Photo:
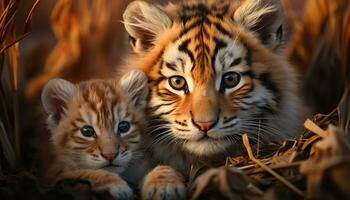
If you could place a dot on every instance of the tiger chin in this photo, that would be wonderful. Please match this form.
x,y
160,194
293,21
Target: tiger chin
x,y
95,130
215,73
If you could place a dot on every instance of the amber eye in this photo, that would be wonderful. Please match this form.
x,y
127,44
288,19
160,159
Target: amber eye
x,y
230,80
87,131
123,127
177,82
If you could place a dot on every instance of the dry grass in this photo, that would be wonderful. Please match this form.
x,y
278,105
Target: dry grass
x,y
9,53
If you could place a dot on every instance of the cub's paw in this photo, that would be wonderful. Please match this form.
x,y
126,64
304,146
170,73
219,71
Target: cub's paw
x,y
115,186
163,183
120,191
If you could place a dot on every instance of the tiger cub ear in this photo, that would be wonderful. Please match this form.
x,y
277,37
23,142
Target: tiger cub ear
x,y
135,84
55,97
264,17
144,22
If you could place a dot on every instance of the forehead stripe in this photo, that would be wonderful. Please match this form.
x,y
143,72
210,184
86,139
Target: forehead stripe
x,y
220,28
219,45
171,66
184,48
199,22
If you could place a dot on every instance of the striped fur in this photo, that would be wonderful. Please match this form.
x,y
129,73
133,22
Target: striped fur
x,y
101,104
206,40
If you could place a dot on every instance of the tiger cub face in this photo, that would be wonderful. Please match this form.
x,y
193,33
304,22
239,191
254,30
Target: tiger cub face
x,y
213,72
96,124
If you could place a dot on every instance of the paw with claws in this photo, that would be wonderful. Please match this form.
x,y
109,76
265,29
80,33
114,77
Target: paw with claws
x,y
163,183
102,181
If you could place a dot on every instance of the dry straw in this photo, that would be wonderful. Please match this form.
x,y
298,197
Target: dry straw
x,y
9,54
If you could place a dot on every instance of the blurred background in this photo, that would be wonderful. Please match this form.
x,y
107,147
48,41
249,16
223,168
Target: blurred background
x,y
82,39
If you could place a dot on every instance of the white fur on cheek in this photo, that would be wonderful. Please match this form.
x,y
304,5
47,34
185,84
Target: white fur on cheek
x,y
207,147
193,135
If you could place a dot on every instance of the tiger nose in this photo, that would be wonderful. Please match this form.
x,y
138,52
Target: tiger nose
x,y
204,126
109,156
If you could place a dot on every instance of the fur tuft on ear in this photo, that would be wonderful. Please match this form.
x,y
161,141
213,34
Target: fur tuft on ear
x,y
55,97
135,83
144,22
264,17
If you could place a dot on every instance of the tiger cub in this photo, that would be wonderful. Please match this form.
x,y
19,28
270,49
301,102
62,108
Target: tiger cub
x,y
95,129
214,74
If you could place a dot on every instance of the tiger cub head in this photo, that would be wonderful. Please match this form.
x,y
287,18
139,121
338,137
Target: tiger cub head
x,y
96,124
214,72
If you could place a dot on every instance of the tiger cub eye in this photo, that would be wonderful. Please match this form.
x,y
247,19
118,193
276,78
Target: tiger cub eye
x,y
177,82
123,127
87,131
230,80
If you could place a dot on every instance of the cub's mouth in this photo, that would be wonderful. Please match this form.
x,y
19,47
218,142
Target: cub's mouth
x,y
113,168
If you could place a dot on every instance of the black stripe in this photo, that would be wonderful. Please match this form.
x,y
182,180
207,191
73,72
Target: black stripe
x,y
157,81
154,108
266,81
229,119
165,113
229,126
223,11
236,62
158,61
192,26
166,94
171,66
251,89
184,48
190,11
219,45
133,142
249,56
161,62
182,64
248,104
182,130
180,123
249,73
222,29
265,109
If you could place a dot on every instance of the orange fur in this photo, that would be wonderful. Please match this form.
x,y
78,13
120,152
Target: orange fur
x,y
100,106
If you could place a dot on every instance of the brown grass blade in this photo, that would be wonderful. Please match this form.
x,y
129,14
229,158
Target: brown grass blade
x,y
311,126
7,17
7,148
265,167
28,24
9,50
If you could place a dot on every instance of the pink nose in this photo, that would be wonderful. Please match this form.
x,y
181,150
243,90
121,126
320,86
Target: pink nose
x,y
109,156
204,126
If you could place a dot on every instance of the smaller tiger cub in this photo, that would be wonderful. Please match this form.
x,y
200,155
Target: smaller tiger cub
x,y
95,130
